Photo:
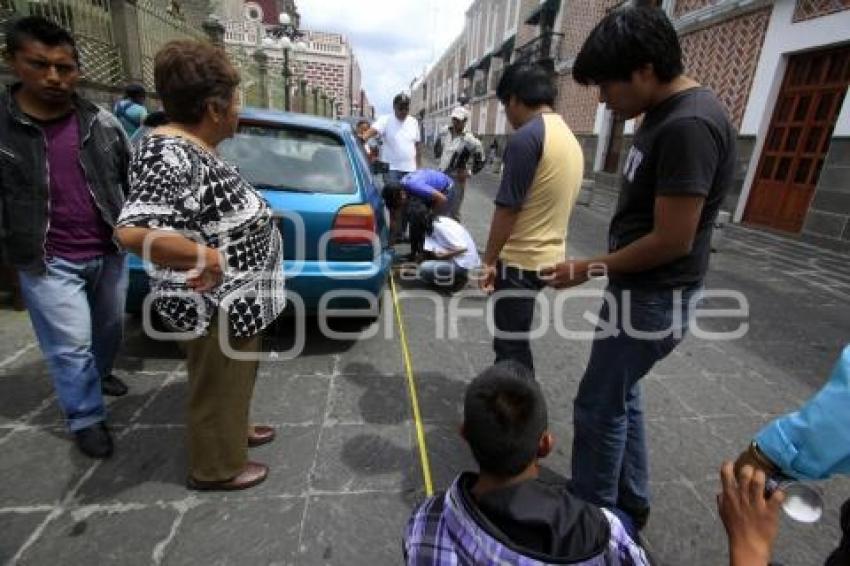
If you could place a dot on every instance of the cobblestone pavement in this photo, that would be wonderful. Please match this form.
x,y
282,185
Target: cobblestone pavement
x,y
345,467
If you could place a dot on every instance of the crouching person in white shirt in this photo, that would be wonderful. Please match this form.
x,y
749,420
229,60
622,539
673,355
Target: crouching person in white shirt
x,y
450,254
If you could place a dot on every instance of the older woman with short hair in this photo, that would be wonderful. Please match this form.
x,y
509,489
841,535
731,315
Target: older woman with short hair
x,y
217,256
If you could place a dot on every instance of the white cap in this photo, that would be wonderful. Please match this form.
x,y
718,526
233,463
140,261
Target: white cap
x,y
460,113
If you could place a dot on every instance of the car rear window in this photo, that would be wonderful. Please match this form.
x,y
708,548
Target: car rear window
x,y
290,159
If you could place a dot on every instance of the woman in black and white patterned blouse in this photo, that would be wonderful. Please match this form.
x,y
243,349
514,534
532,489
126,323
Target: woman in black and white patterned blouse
x,y
218,275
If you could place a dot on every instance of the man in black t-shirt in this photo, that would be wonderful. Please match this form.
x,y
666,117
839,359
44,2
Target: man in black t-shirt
x,y
674,180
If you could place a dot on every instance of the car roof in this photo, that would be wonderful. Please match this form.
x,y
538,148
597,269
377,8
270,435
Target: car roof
x,y
281,118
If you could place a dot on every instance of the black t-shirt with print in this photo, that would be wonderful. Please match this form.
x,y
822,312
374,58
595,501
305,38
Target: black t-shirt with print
x,y
685,146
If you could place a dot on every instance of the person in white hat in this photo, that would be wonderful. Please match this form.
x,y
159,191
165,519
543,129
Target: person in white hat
x,y
462,154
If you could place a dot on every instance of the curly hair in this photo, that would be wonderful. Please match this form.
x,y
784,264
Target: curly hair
x,y
190,75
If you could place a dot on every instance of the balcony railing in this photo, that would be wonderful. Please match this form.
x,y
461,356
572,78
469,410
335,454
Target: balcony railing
x,y
547,47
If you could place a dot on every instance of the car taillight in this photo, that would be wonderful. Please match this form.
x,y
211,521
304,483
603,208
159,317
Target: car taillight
x,y
354,224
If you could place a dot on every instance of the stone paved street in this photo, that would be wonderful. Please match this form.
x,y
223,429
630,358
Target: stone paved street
x,y
346,469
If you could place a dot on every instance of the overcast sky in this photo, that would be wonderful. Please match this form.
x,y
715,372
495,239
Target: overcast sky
x,y
394,40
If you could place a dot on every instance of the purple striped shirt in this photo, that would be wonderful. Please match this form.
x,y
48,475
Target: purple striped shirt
x,y
441,533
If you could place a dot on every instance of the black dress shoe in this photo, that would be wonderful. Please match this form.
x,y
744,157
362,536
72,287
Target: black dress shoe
x,y
95,441
112,386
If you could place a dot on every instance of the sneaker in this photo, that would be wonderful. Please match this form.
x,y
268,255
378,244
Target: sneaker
x,y
95,441
112,386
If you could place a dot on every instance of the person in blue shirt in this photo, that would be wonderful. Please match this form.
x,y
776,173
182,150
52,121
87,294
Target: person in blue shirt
x,y
130,110
433,187
152,121
429,192
812,443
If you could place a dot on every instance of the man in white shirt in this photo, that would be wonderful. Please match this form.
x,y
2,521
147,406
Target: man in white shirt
x,y
453,252
400,150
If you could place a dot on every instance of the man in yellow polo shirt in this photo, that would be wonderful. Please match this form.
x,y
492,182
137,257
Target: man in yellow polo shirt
x,y
543,170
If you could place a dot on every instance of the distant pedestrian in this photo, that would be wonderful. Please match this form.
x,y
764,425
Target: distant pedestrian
x,y
400,149
368,146
152,121
676,175
493,151
542,178
217,257
63,178
461,156
130,110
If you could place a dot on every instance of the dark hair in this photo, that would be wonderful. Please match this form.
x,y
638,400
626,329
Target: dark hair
x,y
401,99
156,119
392,191
134,90
36,28
189,75
533,85
420,217
504,417
626,40
362,121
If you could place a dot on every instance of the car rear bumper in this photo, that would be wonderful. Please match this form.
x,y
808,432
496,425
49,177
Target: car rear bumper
x,y
342,284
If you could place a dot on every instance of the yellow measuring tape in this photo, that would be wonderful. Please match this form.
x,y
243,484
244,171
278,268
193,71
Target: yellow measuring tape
x,y
414,400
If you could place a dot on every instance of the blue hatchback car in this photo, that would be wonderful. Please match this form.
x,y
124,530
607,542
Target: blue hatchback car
x,y
314,174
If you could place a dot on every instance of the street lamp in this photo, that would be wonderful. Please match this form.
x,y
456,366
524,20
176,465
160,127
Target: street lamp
x,y
285,36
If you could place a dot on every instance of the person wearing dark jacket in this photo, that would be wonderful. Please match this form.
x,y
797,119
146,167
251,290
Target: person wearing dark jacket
x,y
511,512
63,176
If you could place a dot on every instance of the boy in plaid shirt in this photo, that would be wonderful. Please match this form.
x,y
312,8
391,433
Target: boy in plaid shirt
x,y
509,513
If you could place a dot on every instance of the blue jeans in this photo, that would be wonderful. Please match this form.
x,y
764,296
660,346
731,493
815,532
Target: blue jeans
x,y
609,460
443,274
514,313
77,313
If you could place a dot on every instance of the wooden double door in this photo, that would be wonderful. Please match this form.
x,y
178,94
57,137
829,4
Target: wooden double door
x,y
798,139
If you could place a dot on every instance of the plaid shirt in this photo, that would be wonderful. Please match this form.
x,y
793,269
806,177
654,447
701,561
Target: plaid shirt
x,y
441,532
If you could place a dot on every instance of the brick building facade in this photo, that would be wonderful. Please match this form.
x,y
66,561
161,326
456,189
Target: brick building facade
x,y
434,95
327,62
469,70
781,68
330,63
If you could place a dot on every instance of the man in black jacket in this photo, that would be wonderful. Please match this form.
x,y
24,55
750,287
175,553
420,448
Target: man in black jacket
x,y
63,176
